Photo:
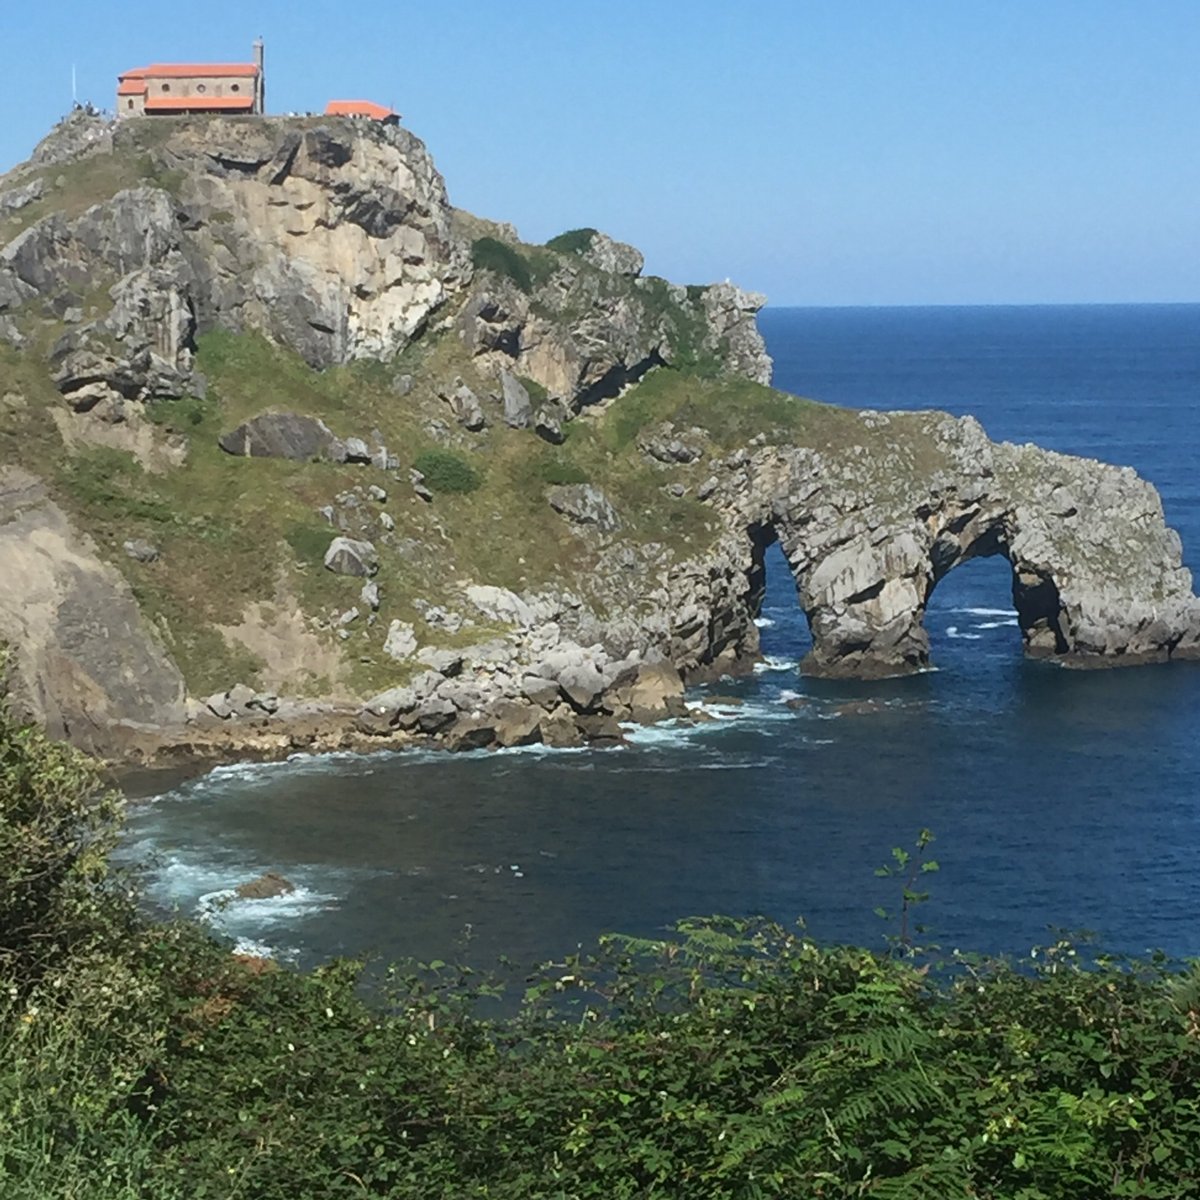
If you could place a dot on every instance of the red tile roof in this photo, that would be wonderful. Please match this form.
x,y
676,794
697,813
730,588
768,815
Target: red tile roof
x,y
184,70
169,103
359,108
131,86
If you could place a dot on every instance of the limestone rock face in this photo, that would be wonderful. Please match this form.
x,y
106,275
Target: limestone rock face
x,y
83,656
335,238
593,327
331,237
616,258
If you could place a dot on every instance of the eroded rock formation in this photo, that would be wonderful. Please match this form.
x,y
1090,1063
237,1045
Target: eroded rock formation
x,y
871,527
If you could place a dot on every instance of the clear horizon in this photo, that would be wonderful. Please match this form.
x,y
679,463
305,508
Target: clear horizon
x,y
828,155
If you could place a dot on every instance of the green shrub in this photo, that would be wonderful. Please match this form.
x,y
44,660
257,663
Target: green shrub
x,y
58,824
574,241
490,254
447,471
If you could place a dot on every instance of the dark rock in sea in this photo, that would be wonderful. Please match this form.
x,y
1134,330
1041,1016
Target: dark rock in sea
x,y
266,886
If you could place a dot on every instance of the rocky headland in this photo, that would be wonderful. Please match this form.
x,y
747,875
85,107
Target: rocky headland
x,y
294,454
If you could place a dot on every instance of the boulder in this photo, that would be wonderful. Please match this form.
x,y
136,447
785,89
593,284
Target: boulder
x,y
240,697
558,728
602,728
283,435
516,724
266,886
465,406
444,662
355,450
401,641
435,714
470,733
346,556
141,551
518,408
582,685
584,504
538,690
655,693
548,426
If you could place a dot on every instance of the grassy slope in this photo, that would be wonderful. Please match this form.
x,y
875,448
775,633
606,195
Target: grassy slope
x,y
233,531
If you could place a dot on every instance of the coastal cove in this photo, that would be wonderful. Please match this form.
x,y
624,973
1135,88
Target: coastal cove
x,y
1058,797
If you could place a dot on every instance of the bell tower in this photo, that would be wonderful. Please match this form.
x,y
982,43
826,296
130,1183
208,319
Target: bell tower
x,y
260,82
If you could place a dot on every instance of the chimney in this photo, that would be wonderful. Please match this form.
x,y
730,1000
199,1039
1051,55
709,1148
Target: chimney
x,y
260,83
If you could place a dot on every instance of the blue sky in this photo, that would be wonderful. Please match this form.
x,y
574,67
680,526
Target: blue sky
x,y
821,151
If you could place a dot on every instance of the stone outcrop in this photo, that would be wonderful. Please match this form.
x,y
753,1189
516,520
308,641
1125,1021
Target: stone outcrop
x,y
83,657
584,504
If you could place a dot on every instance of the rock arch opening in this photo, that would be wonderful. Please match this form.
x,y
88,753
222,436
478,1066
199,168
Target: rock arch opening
x,y
782,631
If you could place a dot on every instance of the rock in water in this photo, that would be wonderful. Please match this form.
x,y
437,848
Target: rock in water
x,y
265,887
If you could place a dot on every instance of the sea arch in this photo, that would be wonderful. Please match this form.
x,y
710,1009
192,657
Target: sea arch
x,y
1097,576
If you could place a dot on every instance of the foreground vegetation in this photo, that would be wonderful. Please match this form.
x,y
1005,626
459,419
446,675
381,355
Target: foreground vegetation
x,y
731,1059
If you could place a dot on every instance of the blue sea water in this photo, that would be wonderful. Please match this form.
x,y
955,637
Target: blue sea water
x,y
1059,799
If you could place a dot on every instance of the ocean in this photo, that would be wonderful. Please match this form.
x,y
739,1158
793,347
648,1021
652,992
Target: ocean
x,y
1059,800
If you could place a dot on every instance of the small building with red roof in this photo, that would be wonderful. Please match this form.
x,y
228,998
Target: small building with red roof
x,y
364,109
175,89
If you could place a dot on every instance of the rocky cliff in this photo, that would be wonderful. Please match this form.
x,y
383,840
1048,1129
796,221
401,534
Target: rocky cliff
x,y
302,441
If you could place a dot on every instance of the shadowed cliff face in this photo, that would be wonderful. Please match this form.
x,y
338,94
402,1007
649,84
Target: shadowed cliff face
x,y
606,468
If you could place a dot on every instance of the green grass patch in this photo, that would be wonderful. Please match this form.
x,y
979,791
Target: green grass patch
x,y
308,540
114,482
559,471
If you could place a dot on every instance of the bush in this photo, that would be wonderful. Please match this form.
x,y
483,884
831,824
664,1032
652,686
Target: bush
x,y
490,254
446,471
58,824
574,241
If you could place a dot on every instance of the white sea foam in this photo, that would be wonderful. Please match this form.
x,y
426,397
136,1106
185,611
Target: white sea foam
x,y
764,622
1012,621
985,612
226,910
775,662
952,632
